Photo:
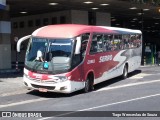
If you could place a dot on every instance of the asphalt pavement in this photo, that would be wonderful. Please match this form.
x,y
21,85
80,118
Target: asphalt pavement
x,y
12,82
137,95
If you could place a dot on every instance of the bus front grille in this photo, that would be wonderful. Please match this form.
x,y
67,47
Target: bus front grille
x,y
46,87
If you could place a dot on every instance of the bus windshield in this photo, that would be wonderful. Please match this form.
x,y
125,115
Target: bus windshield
x,y
49,55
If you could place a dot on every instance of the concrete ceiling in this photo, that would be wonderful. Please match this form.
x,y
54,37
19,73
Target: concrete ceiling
x,y
118,8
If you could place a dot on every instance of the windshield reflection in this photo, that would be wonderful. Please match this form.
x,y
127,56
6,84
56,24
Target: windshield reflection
x,y
51,55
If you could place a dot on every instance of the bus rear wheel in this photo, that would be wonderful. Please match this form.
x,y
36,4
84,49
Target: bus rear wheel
x,y
88,85
125,72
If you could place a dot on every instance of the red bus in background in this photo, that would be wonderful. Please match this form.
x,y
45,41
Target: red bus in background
x,y
70,57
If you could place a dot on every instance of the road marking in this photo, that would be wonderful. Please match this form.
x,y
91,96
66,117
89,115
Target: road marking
x,y
105,105
127,85
125,101
23,102
139,76
136,77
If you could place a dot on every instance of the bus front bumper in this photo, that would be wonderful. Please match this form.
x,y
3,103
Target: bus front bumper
x,y
67,86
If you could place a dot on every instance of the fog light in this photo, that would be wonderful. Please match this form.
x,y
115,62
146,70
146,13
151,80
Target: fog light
x,y
63,88
25,83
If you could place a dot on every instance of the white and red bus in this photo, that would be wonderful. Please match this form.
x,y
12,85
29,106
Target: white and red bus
x,y
76,57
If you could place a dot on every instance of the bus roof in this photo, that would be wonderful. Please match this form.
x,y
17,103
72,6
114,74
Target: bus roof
x,y
122,30
72,30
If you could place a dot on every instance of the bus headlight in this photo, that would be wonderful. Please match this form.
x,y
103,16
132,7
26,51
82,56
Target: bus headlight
x,y
62,78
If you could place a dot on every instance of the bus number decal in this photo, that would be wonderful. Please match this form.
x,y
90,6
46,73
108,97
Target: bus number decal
x,y
91,61
105,58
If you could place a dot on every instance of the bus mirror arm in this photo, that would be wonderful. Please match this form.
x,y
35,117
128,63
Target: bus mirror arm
x,y
78,46
21,40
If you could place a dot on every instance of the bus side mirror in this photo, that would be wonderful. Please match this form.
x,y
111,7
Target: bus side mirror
x,y
78,46
20,41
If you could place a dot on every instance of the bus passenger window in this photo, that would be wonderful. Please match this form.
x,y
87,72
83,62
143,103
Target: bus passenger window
x,y
138,39
107,42
126,41
99,43
85,39
132,41
93,47
117,42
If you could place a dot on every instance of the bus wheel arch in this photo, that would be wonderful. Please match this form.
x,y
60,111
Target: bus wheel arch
x,y
125,71
89,82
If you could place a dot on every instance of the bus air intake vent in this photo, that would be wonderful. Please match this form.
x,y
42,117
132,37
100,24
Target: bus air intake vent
x,y
46,87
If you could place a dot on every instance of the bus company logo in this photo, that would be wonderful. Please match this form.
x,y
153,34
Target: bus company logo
x,y
105,58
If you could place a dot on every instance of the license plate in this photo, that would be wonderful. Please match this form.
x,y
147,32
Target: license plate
x,y
42,90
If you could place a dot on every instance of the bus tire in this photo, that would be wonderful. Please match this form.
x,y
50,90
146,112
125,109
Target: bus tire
x,y
88,84
125,72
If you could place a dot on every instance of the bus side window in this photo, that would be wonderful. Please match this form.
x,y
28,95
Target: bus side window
x,y
107,42
138,39
133,42
93,48
118,42
99,43
78,58
126,41
85,39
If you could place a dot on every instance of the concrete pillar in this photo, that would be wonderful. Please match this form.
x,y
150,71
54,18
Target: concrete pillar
x,y
103,19
79,17
5,46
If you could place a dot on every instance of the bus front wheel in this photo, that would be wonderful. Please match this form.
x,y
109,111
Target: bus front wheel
x,y
125,72
88,85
